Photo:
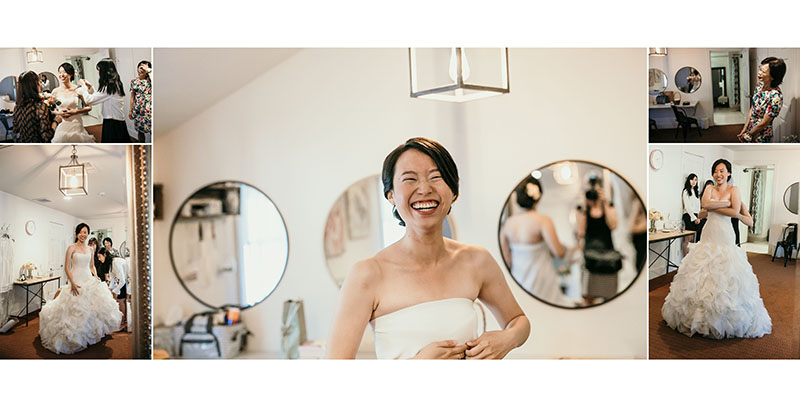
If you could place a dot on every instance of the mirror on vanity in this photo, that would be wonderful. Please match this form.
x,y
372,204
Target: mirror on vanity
x,y
656,81
688,79
791,197
573,234
229,245
360,224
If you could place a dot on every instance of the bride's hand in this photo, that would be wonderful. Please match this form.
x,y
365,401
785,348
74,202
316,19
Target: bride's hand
x,y
73,288
490,345
442,350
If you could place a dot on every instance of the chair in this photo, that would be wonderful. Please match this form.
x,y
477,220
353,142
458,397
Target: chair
x,y
685,122
9,130
788,243
653,124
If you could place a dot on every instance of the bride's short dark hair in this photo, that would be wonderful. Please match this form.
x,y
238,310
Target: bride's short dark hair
x,y
79,227
69,69
440,156
727,165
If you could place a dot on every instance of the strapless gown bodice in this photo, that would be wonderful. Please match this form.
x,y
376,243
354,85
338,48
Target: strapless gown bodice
x,y
402,333
70,323
71,129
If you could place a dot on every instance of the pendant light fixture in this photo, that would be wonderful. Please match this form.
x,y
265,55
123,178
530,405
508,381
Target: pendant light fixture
x,y
661,52
73,178
448,74
34,55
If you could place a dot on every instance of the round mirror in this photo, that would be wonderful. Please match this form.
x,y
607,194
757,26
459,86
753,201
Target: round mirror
x,y
8,89
791,197
573,234
49,81
656,81
229,245
360,224
688,79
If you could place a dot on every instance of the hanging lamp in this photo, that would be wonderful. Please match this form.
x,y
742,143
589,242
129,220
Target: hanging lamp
x,y
448,74
73,178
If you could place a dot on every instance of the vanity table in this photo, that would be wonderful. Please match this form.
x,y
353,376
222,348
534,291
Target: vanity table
x,y
669,237
665,118
27,284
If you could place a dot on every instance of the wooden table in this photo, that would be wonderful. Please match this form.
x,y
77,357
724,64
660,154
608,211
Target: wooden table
x,y
41,281
669,237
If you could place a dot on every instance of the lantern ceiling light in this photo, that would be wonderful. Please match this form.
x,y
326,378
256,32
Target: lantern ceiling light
x,y
73,178
448,74
662,52
34,55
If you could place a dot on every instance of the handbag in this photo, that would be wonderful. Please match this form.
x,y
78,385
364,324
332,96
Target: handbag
x,y
603,261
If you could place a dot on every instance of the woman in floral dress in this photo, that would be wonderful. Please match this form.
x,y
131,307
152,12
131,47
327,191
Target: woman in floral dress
x,y
767,102
142,100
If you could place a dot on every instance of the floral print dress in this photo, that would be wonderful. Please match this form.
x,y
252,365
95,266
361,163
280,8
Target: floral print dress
x,y
142,90
765,103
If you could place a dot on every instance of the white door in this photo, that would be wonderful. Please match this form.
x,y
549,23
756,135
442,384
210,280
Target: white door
x,y
57,249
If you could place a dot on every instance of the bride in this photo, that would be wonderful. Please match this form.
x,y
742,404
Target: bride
x,y
419,293
715,292
87,312
71,128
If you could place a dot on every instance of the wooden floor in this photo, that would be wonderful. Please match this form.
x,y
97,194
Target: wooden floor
x,y
23,342
780,290
714,134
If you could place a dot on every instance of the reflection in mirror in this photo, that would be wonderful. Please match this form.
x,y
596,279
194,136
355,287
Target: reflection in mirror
x,y
360,224
49,81
573,234
657,81
8,89
791,197
229,245
688,79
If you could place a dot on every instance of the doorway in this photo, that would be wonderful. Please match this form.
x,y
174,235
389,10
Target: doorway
x,y
730,86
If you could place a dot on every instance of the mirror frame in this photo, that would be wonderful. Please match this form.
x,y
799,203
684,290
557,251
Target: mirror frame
x,y
508,269
783,198
140,164
172,257
665,86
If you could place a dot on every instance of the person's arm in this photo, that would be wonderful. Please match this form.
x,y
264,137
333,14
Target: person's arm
x,y
687,201
580,227
356,303
758,128
497,296
708,204
550,236
505,247
746,122
744,216
130,106
73,288
117,280
91,265
736,202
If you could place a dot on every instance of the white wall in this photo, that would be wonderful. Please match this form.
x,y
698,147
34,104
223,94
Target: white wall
x,y
17,211
308,128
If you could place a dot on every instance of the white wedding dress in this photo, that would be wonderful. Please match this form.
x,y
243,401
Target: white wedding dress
x,y
70,323
715,292
532,267
403,333
71,129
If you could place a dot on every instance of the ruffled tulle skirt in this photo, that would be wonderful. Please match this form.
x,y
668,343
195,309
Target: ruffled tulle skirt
x,y
70,323
715,293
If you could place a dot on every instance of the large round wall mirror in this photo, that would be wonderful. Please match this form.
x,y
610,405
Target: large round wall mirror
x,y
791,197
360,224
688,79
656,81
8,89
573,234
49,81
229,245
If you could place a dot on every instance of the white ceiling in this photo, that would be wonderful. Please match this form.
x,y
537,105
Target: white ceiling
x,y
188,81
31,172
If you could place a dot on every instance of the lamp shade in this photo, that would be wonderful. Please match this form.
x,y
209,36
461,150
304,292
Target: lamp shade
x,y
73,178
458,74
34,55
657,51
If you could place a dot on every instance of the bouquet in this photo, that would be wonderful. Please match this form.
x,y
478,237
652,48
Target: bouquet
x,y
50,101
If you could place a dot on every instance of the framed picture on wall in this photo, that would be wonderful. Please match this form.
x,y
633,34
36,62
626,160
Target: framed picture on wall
x,y
334,230
358,210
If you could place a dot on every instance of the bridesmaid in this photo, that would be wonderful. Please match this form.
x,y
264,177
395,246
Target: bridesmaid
x,y
33,121
142,101
110,94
